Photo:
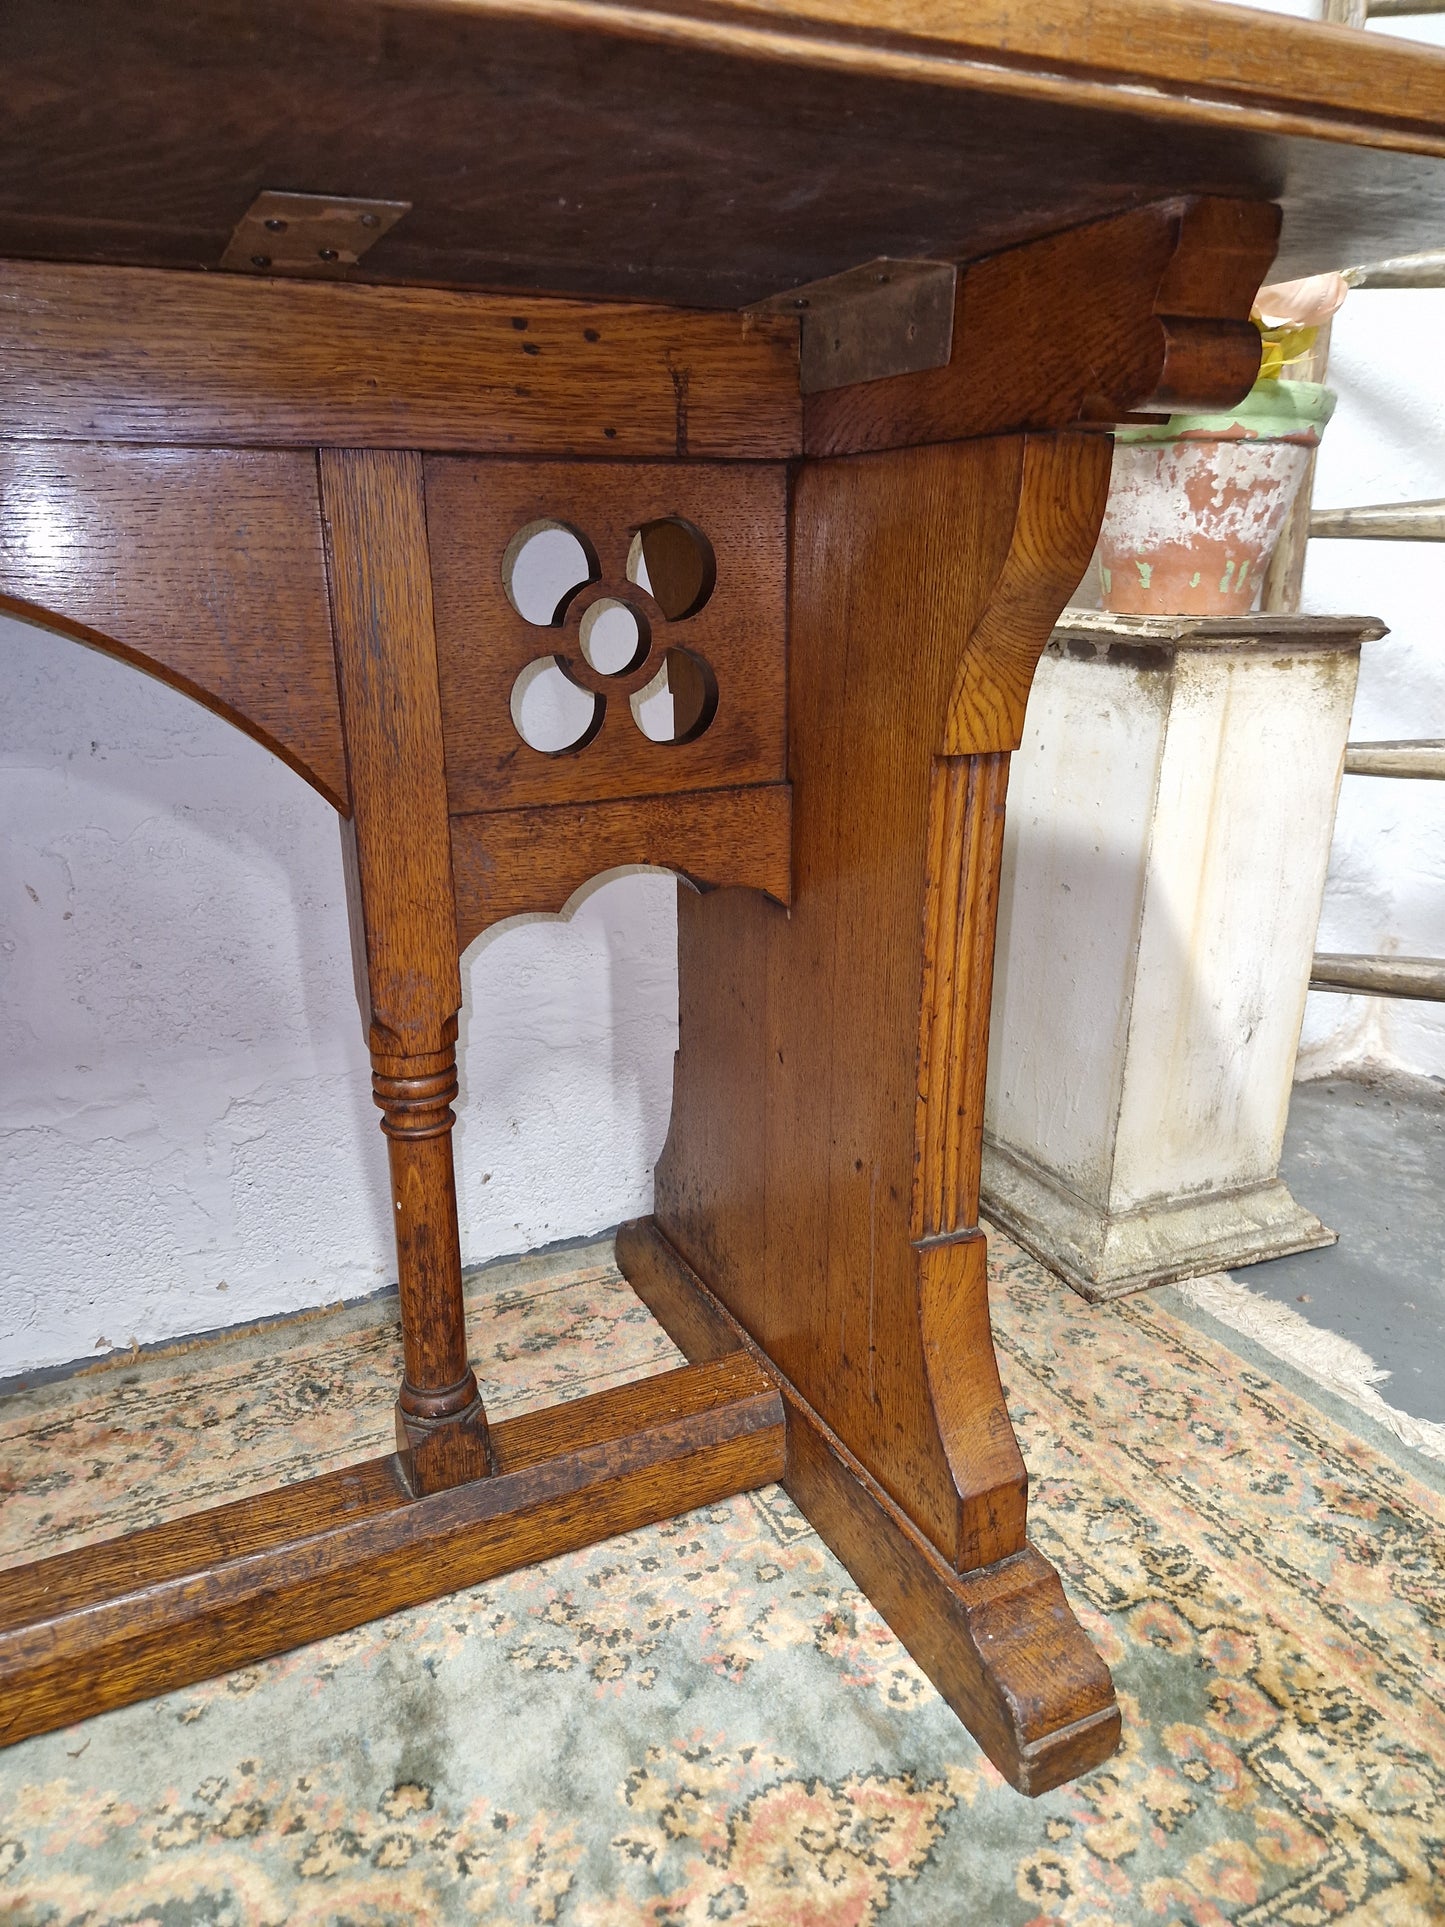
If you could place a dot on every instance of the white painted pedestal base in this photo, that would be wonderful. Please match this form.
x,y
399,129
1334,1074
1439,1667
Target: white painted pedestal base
x,y
1169,823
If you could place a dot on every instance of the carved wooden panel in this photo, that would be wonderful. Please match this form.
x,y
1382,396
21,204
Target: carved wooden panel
x,y
711,540
827,1100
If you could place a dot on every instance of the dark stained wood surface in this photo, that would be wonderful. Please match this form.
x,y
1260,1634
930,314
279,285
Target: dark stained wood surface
x,y
474,508
707,155
1000,1643
827,1098
120,355
510,861
188,563
116,1622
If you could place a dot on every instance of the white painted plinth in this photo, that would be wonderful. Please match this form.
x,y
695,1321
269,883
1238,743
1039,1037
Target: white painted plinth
x,y
1169,822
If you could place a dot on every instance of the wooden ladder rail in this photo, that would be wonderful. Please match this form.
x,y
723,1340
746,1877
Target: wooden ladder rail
x,y
1421,978
1353,975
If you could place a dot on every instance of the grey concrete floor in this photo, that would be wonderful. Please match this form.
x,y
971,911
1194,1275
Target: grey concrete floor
x,y
1368,1156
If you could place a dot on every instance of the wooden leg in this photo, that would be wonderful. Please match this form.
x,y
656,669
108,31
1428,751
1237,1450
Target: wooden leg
x,y
440,1421
821,1176
404,928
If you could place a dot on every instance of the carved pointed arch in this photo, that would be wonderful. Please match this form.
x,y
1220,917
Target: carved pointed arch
x,y
189,564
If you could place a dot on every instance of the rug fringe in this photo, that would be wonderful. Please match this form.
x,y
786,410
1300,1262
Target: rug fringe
x,y
1339,1364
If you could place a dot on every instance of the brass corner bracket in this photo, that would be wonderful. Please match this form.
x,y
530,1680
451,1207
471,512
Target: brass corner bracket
x,y
320,236
887,317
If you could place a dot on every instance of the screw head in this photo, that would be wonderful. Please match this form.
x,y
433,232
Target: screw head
x,y
371,220
328,254
260,260
275,224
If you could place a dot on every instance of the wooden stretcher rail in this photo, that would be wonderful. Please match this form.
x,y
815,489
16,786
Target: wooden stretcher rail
x,y
109,1624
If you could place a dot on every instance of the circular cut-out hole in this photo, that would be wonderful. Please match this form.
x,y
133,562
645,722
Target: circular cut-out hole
x,y
679,702
612,638
550,712
674,562
544,566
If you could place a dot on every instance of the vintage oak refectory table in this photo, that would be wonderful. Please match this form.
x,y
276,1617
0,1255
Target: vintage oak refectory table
x,y
809,319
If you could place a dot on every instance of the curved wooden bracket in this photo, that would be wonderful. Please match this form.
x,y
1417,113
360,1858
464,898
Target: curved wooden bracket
x,y
1063,486
1146,309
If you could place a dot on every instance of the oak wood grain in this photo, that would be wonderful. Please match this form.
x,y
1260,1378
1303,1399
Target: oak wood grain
x,y
1158,315
827,1099
374,512
188,563
510,861
1060,503
999,1642
709,154
404,927
127,355
475,508
113,1623
960,915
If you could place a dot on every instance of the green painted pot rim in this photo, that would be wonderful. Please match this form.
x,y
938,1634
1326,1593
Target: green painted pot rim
x,y
1272,411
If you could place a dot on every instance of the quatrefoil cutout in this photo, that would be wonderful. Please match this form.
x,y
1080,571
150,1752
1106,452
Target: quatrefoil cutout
x,y
554,581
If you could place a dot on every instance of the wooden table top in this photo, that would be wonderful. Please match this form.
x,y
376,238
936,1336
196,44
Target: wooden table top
x,y
701,152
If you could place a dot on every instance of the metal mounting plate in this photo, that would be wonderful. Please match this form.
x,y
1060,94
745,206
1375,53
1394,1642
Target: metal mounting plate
x,y
888,317
321,236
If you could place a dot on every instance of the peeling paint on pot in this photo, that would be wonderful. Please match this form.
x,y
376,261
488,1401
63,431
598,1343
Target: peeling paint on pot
x,y
1196,504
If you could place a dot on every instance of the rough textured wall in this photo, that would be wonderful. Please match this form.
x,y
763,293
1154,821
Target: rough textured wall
x,y
186,1132
1386,889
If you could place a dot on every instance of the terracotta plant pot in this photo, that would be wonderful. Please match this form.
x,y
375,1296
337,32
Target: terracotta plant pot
x,y
1196,505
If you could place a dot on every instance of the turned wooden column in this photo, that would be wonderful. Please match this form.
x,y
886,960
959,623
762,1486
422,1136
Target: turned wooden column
x,y
403,918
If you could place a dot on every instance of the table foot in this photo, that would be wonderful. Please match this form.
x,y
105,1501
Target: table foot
x,y
1000,1643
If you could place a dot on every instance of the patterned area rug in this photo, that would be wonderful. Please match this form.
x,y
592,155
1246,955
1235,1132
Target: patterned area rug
x,y
705,1722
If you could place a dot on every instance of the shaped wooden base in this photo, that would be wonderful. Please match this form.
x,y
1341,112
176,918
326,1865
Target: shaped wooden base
x,y
1001,1644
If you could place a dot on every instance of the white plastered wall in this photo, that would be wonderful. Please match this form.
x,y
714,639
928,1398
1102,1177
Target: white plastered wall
x,y
186,1131
1386,888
